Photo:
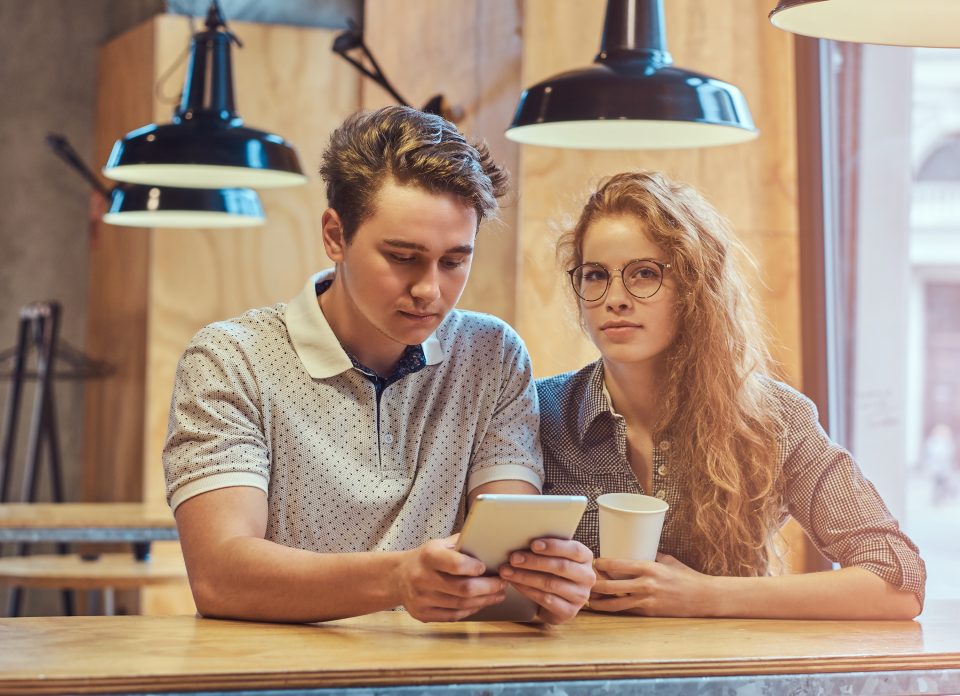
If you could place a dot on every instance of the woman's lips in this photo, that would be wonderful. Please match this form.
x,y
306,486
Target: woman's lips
x,y
619,326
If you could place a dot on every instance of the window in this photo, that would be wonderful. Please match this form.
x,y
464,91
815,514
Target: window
x,y
880,137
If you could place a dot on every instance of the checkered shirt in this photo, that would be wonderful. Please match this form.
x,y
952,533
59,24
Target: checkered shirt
x,y
585,453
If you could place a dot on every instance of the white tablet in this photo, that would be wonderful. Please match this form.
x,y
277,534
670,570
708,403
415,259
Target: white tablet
x,y
499,524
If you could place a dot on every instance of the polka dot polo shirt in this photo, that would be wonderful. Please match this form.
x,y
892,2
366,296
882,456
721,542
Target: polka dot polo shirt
x,y
271,400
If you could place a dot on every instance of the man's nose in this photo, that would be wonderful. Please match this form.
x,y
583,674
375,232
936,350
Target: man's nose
x,y
427,285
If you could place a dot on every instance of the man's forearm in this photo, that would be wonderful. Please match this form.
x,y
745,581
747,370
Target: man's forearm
x,y
256,579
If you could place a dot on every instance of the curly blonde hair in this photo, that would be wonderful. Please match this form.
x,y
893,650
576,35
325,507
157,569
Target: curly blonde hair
x,y
713,406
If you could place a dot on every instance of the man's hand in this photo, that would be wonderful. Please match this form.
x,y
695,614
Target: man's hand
x,y
665,587
556,574
438,583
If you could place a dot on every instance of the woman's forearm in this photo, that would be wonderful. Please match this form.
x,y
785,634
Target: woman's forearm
x,y
849,593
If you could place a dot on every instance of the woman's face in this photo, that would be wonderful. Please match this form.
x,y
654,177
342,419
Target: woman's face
x,y
626,329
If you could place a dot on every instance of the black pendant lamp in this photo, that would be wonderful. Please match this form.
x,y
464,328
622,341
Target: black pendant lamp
x,y
206,145
137,205
632,97
930,23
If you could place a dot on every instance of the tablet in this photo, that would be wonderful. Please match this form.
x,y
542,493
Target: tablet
x,y
498,524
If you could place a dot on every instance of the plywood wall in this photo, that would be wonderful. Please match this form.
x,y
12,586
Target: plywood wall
x,y
469,51
151,290
753,184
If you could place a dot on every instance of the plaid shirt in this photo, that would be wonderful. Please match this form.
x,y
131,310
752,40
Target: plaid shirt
x,y
585,453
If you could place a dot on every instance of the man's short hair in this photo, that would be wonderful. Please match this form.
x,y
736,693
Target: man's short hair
x,y
412,148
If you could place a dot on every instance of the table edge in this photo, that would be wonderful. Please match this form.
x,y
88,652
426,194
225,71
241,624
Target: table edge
x,y
727,667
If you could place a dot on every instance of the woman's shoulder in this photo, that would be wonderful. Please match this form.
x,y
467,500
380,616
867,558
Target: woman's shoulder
x,y
568,386
792,407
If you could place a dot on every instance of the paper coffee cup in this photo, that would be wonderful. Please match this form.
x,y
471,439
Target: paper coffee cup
x,y
630,525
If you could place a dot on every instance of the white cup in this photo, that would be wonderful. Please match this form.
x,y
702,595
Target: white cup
x,y
630,525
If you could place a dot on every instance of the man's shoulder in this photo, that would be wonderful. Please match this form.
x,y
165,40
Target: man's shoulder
x,y
462,327
255,326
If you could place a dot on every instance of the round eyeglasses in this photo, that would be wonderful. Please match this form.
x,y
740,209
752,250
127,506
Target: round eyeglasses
x,y
641,277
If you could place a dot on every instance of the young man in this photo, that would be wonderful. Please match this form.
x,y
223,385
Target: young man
x,y
319,452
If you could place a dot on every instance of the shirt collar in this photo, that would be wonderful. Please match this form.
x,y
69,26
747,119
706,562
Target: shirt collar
x,y
317,346
594,401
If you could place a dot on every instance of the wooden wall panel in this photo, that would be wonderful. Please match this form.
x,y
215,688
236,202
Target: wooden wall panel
x,y
119,271
468,50
753,184
153,289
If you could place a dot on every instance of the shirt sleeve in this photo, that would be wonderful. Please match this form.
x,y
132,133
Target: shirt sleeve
x,y
510,447
215,436
839,509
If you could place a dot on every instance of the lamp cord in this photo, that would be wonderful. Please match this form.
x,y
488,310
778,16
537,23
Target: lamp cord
x,y
158,91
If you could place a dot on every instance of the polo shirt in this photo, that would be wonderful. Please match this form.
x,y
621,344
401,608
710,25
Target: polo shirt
x,y
270,399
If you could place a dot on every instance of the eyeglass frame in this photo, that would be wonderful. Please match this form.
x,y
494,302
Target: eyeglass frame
x,y
610,271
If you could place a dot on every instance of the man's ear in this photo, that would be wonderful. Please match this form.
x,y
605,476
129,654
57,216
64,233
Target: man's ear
x,y
334,242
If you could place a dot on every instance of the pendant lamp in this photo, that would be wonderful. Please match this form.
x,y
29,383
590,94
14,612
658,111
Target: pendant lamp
x,y
929,23
137,205
206,145
632,97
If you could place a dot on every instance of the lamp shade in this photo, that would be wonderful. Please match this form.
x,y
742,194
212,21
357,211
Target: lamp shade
x,y
154,206
632,97
206,144
930,23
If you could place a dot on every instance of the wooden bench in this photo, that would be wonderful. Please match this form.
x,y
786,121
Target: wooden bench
x,y
106,572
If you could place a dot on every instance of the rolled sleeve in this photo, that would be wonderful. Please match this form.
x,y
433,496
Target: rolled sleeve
x,y
840,509
215,436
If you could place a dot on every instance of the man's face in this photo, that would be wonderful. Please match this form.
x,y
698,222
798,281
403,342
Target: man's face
x,y
407,264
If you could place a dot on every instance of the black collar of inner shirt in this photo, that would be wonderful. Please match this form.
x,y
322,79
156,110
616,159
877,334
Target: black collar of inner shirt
x,y
411,360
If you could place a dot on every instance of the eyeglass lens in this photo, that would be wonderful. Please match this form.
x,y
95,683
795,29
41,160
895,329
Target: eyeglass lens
x,y
641,278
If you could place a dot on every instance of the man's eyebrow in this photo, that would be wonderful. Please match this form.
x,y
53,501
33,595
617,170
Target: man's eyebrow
x,y
401,244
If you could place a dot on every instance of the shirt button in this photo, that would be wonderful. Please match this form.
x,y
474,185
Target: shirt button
x,y
662,470
665,445
661,494
388,438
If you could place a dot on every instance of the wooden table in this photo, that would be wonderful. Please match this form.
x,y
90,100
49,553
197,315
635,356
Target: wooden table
x,y
135,523
390,650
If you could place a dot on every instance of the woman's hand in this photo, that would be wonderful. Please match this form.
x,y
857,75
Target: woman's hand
x,y
666,587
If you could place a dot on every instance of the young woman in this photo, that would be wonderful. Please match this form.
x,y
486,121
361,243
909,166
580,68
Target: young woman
x,y
681,406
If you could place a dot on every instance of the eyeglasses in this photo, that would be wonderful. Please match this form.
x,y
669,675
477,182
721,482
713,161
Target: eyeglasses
x,y
641,277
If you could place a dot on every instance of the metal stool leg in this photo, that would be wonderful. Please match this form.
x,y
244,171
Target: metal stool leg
x,y
109,602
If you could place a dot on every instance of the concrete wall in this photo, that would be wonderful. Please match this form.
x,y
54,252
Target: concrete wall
x,y
48,52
